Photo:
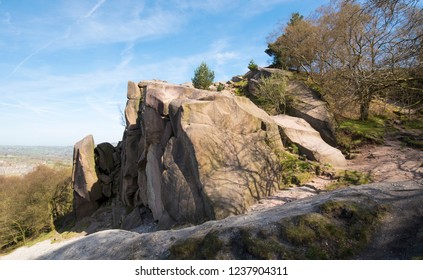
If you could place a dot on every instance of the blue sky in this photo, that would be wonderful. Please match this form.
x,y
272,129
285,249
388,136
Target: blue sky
x,y
64,64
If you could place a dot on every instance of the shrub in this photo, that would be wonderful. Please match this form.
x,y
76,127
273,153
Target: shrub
x,y
220,87
271,94
252,65
203,77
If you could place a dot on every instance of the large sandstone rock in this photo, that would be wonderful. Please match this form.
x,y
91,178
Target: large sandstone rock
x,y
84,178
197,155
308,140
309,106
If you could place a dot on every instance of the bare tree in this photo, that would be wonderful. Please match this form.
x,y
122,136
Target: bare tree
x,y
356,51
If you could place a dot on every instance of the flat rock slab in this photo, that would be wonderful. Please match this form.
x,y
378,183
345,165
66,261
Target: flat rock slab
x,y
398,236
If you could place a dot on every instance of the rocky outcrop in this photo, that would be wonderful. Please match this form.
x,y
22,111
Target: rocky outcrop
x,y
197,155
297,131
95,177
308,105
188,156
255,76
84,178
377,221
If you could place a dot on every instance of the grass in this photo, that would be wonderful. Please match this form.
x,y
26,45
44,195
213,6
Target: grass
x,y
354,133
197,248
411,141
296,170
349,177
338,231
416,123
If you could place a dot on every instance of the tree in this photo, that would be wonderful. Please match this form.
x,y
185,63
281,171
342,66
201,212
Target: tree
x,y
252,65
277,49
355,51
203,76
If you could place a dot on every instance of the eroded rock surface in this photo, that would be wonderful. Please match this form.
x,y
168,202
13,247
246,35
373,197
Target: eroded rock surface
x,y
201,155
386,219
84,177
299,132
190,156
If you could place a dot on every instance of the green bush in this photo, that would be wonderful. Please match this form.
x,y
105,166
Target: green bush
x,y
355,133
271,94
33,204
252,65
203,76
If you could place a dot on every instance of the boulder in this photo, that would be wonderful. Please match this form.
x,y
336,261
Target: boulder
x,y
299,132
87,190
197,155
133,91
308,105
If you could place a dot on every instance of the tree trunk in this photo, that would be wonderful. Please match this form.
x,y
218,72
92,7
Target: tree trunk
x,y
364,110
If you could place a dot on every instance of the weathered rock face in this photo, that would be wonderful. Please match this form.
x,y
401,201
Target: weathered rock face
x,y
197,155
95,176
299,132
388,215
306,104
188,156
310,107
84,178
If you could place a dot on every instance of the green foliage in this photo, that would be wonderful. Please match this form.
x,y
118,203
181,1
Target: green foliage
x,y
241,88
295,18
341,229
252,65
413,123
295,171
32,204
265,246
350,177
220,87
412,142
197,248
354,133
203,76
271,94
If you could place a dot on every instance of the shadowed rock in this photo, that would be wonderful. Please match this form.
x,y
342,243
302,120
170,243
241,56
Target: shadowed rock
x,y
377,221
84,178
200,155
308,140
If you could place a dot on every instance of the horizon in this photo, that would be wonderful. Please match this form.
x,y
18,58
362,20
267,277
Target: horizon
x,y
65,64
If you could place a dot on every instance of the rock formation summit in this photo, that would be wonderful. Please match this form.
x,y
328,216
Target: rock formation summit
x,y
187,156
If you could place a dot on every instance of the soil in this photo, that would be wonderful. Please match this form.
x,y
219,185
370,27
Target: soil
x,y
390,162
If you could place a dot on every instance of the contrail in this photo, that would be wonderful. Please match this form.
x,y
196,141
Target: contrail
x,y
98,5
90,13
31,55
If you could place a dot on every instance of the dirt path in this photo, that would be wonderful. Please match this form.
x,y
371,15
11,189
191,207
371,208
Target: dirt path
x,y
391,162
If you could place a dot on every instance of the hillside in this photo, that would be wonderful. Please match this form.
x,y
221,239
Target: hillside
x,y
20,160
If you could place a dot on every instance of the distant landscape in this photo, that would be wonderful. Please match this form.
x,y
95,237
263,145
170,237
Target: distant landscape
x,y
20,160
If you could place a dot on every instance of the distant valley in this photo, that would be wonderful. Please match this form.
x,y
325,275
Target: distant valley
x,y
20,160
